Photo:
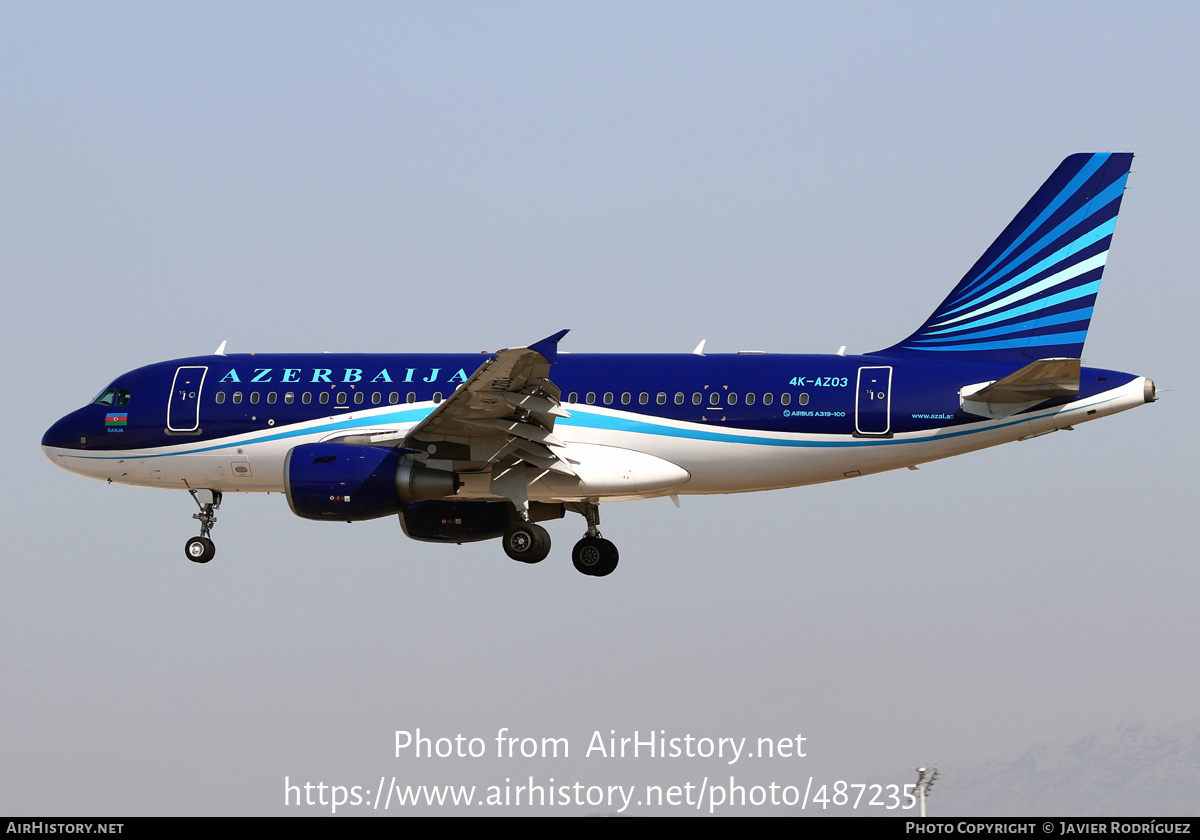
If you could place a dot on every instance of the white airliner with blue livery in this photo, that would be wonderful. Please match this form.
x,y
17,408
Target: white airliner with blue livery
x,y
461,451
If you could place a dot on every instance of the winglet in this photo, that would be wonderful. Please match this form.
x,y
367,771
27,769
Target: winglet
x,y
548,347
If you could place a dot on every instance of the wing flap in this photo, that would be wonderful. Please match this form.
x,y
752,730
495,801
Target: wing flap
x,y
504,414
528,431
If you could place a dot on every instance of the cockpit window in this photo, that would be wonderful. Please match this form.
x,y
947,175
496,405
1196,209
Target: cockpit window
x,y
112,396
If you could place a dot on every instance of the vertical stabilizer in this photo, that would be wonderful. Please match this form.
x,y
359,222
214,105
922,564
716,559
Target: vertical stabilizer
x,y
1030,296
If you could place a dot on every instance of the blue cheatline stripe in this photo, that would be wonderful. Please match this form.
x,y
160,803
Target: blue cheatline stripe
x,y
393,418
610,423
1060,256
1021,326
1100,202
1088,169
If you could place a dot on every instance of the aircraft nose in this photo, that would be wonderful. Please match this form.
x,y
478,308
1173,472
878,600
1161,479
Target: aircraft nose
x,y
67,433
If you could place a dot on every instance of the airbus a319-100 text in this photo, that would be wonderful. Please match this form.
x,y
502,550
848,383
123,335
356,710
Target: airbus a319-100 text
x,y
463,451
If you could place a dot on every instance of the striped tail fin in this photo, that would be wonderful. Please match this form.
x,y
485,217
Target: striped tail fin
x,y
1030,296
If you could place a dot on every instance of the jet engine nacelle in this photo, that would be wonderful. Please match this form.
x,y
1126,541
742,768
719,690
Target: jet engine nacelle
x,y
348,482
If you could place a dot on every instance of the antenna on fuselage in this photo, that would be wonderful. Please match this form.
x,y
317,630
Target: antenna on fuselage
x,y
221,349
699,351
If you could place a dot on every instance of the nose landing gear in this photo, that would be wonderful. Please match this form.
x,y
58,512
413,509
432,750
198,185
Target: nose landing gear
x,y
201,549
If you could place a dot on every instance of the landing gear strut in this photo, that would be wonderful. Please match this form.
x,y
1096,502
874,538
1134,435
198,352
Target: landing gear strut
x,y
201,549
593,555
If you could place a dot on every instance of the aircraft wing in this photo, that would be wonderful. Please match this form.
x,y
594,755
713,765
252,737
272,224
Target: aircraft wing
x,y
1045,379
503,415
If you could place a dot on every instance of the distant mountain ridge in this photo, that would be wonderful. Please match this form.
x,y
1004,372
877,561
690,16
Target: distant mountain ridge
x,y
1123,771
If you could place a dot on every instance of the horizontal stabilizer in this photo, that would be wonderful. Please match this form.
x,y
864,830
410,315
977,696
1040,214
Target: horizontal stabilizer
x,y
1045,379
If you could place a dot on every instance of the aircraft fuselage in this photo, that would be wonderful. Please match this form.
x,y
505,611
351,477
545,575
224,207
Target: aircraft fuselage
x,y
733,423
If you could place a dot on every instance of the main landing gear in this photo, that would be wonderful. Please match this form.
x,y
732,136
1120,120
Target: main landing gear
x,y
593,555
526,542
201,549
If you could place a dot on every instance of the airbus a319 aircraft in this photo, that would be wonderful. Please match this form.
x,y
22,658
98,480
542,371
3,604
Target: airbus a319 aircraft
x,y
463,451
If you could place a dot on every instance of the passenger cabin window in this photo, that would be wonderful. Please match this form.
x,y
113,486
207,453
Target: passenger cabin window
x,y
679,397
324,398
731,399
803,399
768,399
697,398
714,398
625,398
393,398
254,397
412,398
608,398
341,399
591,398
661,399
220,397
376,398
271,398
643,398
306,398
785,399
289,397
237,397
573,397
359,396
437,397
749,399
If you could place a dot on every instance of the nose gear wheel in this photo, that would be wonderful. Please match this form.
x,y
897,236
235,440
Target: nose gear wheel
x,y
201,549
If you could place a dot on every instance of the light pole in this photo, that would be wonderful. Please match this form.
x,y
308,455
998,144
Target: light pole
x,y
926,776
